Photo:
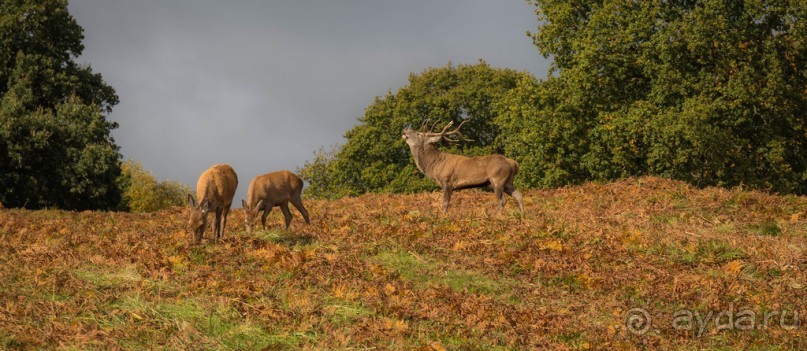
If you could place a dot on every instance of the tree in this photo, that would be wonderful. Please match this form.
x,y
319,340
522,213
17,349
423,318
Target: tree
x,y
711,92
319,174
56,149
375,158
143,193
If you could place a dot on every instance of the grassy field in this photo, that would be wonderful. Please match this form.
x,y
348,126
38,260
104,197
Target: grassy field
x,y
710,268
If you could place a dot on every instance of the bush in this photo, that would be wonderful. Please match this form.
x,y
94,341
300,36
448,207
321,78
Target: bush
x,y
143,193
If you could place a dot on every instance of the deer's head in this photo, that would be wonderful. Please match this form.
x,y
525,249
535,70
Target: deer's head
x,y
251,214
423,137
198,216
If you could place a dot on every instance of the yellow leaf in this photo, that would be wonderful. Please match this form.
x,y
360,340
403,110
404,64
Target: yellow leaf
x,y
389,289
343,292
435,346
460,245
554,245
400,325
177,262
453,228
733,267
412,215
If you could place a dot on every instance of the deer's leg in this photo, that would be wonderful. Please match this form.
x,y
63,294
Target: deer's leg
x,y
266,211
298,203
511,190
286,213
498,191
217,224
446,197
224,220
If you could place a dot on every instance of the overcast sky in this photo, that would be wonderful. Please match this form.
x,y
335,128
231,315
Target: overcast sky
x,y
261,85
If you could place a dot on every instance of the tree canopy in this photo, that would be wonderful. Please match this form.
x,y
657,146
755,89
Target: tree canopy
x,y
56,149
711,92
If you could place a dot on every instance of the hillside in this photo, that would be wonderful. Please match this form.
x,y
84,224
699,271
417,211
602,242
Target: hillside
x,y
392,272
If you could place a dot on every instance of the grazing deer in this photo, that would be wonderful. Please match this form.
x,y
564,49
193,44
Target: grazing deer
x,y
215,190
454,172
273,189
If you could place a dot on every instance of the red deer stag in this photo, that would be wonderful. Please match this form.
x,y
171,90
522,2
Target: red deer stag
x,y
273,189
454,172
215,190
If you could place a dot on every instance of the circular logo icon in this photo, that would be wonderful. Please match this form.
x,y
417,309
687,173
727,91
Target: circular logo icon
x,y
638,321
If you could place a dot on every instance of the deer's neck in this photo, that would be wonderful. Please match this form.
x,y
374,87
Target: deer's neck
x,y
427,158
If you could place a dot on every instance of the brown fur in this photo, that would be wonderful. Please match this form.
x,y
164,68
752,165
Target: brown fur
x,y
215,190
273,189
453,172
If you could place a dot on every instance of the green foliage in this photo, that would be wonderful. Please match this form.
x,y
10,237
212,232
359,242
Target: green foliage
x,y
319,173
143,193
55,144
375,157
710,92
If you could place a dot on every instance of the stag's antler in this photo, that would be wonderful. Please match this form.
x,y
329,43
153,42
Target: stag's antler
x,y
445,133
424,125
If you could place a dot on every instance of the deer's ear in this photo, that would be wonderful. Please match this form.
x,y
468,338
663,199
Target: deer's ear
x,y
244,204
191,201
259,205
434,139
206,206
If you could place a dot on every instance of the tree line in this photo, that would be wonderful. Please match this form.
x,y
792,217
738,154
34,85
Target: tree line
x,y
712,92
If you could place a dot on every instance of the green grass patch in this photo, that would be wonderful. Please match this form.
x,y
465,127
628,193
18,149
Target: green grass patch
x,y
270,235
425,333
665,218
283,237
708,251
718,251
769,228
198,256
190,321
345,312
726,228
567,281
109,277
570,338
423,270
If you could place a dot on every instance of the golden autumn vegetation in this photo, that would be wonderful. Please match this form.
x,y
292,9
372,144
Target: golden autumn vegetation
x,y
391,272
142,192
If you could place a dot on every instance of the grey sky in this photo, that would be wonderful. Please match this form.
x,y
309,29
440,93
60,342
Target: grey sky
x,y
261,85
